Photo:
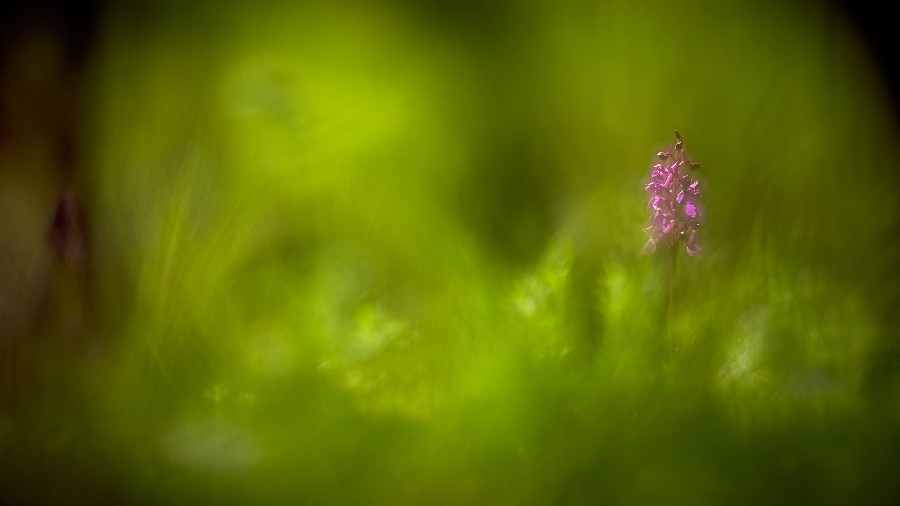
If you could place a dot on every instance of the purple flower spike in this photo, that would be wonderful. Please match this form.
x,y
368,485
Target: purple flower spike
x,y
674,213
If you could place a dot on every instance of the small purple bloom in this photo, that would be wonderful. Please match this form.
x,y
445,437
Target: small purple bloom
x,y
690,210
674,215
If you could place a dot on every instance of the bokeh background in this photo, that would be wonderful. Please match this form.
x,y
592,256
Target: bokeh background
x,y
390,253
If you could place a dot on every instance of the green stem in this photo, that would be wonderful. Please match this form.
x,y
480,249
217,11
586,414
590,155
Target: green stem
x,y
673,257
673,248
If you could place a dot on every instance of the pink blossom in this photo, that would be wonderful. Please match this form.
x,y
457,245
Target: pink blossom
x,y
674,211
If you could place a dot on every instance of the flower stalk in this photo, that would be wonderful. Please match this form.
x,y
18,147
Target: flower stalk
x,y
673,262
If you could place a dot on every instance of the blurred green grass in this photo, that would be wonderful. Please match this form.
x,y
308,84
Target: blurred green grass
x,y
391,254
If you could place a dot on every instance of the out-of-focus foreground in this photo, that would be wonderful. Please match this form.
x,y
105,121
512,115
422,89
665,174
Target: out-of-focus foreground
x,y
390,253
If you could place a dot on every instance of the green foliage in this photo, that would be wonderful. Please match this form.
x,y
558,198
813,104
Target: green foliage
x,y
364,254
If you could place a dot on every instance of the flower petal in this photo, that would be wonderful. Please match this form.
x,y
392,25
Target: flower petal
x,y
659,219
690,210
692,246
655,202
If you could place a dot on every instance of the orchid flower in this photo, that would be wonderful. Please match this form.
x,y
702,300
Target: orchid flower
x,y
674,195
